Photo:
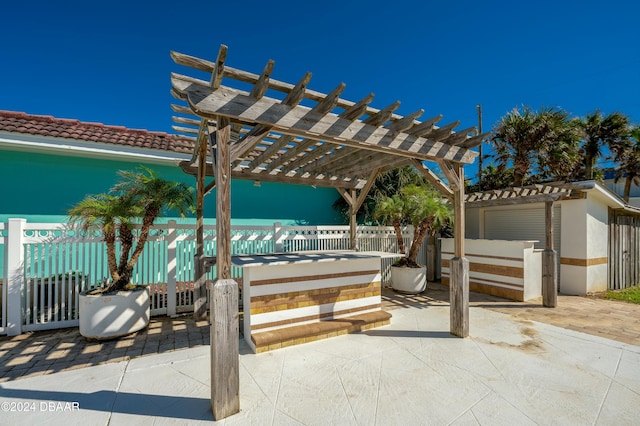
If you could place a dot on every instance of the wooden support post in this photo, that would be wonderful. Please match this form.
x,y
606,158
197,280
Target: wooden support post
x,y
351,198
431,258
353,221
459,284
459,297
225,373
549,262
200,275
223,198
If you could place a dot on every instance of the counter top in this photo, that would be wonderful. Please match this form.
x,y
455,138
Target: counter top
x,y
273,259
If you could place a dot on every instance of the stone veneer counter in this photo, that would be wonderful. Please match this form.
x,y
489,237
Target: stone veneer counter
x,y
292,298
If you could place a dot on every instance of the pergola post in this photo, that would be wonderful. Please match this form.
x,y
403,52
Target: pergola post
x,y
549,262
353,222
459,284
200,273
225,379
355,201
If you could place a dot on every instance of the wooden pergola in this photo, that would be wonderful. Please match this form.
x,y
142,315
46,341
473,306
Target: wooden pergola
x,y
547,194
250,126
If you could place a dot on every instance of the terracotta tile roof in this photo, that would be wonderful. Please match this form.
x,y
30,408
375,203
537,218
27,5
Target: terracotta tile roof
x,y
42,125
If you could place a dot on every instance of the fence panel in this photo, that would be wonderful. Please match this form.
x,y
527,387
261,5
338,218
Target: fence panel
x,y
60,262
3,278
624,250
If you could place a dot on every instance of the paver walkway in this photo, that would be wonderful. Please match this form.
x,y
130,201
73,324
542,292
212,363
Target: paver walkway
x,y
46,352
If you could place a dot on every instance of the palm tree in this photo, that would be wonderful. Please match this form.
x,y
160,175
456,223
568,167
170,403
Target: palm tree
x,y
391,210
545,140
627,154
386,184
560,156
599,131
421,206
112,215
493,177
139,198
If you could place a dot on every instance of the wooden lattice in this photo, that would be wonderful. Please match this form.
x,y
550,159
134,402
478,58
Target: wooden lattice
x,y
286,132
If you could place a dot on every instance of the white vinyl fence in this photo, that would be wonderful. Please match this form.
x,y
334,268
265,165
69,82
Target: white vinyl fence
x,y
46,266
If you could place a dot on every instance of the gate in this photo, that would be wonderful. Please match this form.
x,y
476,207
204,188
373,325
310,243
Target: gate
x,y
624,249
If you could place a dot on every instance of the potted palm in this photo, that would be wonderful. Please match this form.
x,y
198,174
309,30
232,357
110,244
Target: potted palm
x,y
118,307
425,209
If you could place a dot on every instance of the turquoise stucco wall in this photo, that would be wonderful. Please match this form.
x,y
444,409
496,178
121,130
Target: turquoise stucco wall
x,y
42,187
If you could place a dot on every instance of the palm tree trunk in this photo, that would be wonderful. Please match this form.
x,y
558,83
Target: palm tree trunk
x,y
588,166
126,241
147,222
398,229
416,244
521,166
110,241
627,188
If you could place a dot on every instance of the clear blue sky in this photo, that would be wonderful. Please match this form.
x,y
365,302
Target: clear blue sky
x,y
108,61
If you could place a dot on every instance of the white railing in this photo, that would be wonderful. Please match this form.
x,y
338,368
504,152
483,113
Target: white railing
x,y
46,266
3,288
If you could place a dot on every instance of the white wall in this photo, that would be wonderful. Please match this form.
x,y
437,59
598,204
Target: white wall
x,y
598,245
573,278
532,272
585,239
510,269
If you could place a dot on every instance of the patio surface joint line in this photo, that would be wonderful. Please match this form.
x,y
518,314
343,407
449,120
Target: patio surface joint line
x,y
117,391
606,394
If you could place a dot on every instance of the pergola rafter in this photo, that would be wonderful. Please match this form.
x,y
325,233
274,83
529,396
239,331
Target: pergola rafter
x,y
536,193
282,132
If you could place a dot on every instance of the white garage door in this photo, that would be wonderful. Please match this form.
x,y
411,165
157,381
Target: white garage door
x,y
521,224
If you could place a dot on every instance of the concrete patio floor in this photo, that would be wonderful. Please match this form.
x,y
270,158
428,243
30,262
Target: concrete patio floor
x,y
510,371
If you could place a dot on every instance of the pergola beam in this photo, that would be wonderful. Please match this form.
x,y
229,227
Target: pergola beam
x,y
251,78
424,128
296,121
433,179
404,123
247,174
262,85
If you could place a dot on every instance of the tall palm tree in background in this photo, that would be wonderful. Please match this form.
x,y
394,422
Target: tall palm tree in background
x,y
627,154
545,141
560,156
599,131
493,177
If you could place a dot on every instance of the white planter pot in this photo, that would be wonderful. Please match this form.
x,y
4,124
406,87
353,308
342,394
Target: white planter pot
x,y
114,315
409,280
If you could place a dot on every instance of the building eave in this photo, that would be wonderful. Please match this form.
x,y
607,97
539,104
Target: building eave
x,y
72,147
